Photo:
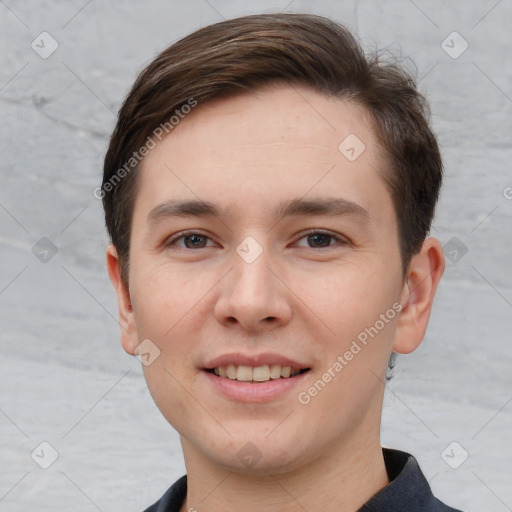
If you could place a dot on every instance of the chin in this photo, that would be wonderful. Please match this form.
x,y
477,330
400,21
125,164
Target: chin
x,y
257,455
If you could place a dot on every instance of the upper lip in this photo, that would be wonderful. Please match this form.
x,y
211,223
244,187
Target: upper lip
x,y
253,360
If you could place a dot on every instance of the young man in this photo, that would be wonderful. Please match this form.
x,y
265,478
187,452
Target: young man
x,y
268,191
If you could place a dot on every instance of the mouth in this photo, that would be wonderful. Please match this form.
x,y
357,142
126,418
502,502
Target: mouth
x,y
255,378
256,374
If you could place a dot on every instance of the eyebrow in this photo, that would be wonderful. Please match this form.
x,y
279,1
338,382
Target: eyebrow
x,y
324,206
198,208
183,208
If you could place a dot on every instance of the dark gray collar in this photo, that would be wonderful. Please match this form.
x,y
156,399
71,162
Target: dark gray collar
x,y
408,490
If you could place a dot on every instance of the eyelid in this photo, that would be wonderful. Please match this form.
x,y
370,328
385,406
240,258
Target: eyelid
x,y
183,234
313,231
340,239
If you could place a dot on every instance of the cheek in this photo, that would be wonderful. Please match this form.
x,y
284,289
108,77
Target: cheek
x,y
163,298
347,307
164,312
346,297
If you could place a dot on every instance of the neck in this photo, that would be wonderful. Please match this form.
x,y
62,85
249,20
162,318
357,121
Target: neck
x,y
342,479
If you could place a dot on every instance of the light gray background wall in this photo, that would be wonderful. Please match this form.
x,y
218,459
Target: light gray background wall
x,y
63,375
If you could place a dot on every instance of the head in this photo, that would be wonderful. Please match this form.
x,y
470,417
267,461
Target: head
x,y
268,190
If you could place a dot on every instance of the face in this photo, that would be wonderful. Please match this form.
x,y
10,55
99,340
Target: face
x,y
262,255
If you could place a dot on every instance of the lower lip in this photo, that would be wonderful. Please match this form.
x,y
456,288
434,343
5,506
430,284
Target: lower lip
x,y
254,391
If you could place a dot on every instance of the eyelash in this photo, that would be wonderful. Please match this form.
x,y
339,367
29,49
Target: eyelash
x,y
338,240
183,234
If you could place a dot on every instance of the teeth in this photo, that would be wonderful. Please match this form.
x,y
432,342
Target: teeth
x,y
263,373
286,371
244,373
275,371
231,371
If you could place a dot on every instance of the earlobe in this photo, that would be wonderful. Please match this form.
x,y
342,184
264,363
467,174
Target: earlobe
x,y
129,339
423,275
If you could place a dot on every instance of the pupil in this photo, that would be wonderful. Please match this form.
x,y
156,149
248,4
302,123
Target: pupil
x,y
319,240
195,241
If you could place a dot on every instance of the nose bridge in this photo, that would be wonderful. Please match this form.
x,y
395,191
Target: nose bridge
x,y
252,278
252,296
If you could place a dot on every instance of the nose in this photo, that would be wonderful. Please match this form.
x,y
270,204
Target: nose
x,y
253,296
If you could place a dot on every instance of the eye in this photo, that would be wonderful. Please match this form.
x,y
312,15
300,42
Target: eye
x,y
319,239
190,240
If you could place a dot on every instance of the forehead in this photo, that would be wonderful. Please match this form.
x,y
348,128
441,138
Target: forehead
x,y
256,149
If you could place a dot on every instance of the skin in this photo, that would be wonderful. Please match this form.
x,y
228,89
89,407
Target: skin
x,y
299,298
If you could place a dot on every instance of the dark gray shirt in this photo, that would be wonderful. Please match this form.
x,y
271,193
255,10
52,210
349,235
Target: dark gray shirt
x,y
407,491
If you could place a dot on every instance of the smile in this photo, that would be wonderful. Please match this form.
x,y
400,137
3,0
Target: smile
x,y
264,373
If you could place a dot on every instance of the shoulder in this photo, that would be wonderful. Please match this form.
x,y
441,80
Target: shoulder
x,y
408,488
173,498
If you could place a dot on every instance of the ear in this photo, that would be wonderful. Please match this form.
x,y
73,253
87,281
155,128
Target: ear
x,y
129,339
423,275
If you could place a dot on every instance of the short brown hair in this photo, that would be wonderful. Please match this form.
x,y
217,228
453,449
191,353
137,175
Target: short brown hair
x,y
246,53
